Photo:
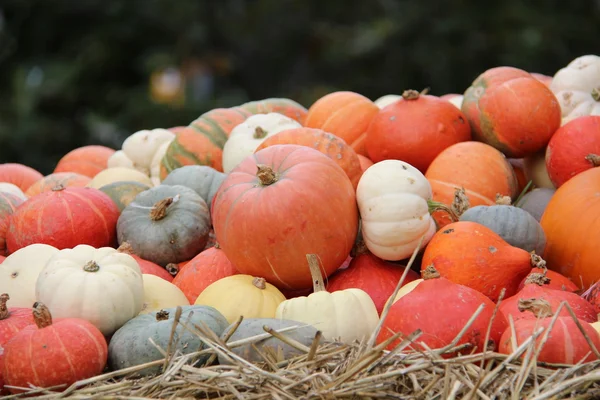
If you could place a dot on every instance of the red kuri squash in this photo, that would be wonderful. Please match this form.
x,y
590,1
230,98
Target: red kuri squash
x,y
19,175
86,160
49,182
147,267
556,281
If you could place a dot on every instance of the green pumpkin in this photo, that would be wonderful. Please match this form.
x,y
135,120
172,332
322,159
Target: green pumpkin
x,y
130,344
203,179
123,192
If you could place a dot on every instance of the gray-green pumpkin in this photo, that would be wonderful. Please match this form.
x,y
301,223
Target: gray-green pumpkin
x,y
123,192
254,326
165,224
515,225
130,344
203,179
535,202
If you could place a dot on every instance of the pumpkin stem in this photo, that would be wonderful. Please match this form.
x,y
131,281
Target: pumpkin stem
x,y
315,272
58,187
217,245
91,266
4,297
259,133
126,248
410,94
41,315
430,273
594,159
172,268
503,200
461,203
537,279
159,210
596,94
538,307
162,315
537,261
437,206
266,175
260,283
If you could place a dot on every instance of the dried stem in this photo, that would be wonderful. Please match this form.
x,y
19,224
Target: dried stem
x,y
4,297
315,272
259,283
91,266
41,315
594,159
159,210
266,175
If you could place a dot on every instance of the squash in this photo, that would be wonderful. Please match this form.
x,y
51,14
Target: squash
x,y
165,224
545,79
386,100
123,192
279,184
365,162
10,188
102,286
119,174
535,170
86,160
159,293
535,201
146,267
12,320
454,98
553,280
156,162
8,205
131,346
404,290
19,175
287,107
49,182
248,135
518,166
512,111
139,149
203,179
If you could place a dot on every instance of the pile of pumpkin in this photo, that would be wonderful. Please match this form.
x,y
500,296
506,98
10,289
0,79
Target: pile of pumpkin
x,y
286,216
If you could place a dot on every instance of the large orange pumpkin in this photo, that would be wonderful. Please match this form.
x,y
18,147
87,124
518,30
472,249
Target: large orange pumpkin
x,y
345,114
86,160
511,110
65,179
19,175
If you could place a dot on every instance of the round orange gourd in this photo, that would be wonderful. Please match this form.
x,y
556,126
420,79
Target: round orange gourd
x,y
65,179
19,175
86,160
557,281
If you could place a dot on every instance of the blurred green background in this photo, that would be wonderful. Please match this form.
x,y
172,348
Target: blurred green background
x,y
77,72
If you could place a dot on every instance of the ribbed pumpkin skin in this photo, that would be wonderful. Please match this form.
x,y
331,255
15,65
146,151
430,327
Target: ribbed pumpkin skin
x,y
123,192
203,179
516,226
86,160
8,205
202,142
284,106
65,179
19,175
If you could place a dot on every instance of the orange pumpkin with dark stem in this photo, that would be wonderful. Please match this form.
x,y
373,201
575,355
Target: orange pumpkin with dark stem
x,y
8,205
512,111
473,255
278,185
415,130
557,281
327,143
86,160
19,175
49,182
345,114
477,167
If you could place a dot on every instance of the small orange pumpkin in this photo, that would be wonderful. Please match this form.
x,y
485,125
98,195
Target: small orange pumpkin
x,y
86,160
19,175
51,181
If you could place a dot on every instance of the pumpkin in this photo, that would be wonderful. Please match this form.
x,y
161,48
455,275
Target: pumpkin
x,y
347,315
404,290
19,175
577,87
328,144
519,168
202,179
139,149
279,184
454,98
473,255
592,296
202,142
386,100
105,286
8,205
553,280
545,79
10,188
365,162
123,192
287,107
131,346
12,320
248,135
156,161
49,182
146,267
64,218
159,294
415,130
535,201
20,270
477,167
574,148
119,174
165,224
207,267
535,170
440,308
86,160
53,352
346,115
512,111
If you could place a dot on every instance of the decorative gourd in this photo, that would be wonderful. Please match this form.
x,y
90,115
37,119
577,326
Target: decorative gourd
x,y
516,226
50,353
204,269
119,174
13,189
12,320
415,130
105,286
20,270
365,162
512,111
287,107
8,205
248,135
203,179
535,170
19,175
49,182
165,224
159,294
279,184
146,267
386,100
553,280
123,192
64,218
346,115
252,327
535,201
473,255
577,87
574,148
441,308
139,149
86,160
454,98
131,345
477,167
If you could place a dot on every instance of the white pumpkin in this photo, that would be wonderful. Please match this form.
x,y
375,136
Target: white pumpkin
x,y
392,199
577,87
155,164
456,100
139,149
386,100
20,270
6,187
160,294
247,136
103,286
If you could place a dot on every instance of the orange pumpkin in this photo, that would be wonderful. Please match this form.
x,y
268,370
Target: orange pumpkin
x,y
65,179
345,114
8,205
327,143
518,167
86,160
545,79
19,175
478,168
511,110
365,162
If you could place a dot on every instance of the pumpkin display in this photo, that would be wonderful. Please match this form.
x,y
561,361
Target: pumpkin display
x,y
247,136
19,175
345,114
574,148
119,174
131,345
203,179
64,218
12,320
105,286
473,255
49,182
280,184
577,87
202,142
8,205
386,100
165,224
71,348
13,189
553,280
535,201
86,160
534,167
159,294
123,192
415,130
139,149
146,267
287,107
156,162
512,111
479,168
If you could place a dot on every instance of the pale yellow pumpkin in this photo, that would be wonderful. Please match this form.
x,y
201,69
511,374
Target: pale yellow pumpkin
x,y
596,326
156,160
387,99
535,170
119,174
160,294
404,290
